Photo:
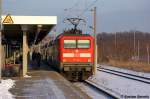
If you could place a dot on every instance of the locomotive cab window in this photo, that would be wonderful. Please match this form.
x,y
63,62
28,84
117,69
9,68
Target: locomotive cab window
x,y
69,43
83,43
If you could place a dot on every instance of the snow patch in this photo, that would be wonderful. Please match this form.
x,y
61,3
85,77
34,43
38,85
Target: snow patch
x,y
123,86
5,86
27,76
93,93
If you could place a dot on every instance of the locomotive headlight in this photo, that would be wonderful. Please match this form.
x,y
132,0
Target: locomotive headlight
x,y
64,60
89,60
85,55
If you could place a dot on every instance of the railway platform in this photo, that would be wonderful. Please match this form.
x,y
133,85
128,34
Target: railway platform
x,y
45,84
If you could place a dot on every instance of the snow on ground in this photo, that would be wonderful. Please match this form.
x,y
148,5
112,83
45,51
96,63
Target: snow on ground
x,y
27,76
127,71
123,86
5,85
93,93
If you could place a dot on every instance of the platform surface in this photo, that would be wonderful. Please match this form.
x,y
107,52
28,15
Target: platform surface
x,y
45,84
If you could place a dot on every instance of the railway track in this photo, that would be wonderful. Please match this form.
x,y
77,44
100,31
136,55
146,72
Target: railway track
x,y
108,93
126,75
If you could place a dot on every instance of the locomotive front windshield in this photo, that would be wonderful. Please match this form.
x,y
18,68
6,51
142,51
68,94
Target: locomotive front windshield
x,y
76,43
69,43
83,43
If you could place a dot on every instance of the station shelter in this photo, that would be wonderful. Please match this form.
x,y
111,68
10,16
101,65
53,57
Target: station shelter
x,y
19,34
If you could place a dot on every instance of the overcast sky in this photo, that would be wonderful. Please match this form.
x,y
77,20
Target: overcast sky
x,y
113,15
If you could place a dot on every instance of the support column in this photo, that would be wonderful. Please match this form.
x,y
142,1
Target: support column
x,y
0,54
39,47
25,51
14,57
0,39
3,55
6,50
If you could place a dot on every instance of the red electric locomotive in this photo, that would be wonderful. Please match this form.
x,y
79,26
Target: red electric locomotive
x,y
73,55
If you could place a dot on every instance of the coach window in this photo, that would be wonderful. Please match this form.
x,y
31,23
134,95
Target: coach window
x,y
69,43
83,43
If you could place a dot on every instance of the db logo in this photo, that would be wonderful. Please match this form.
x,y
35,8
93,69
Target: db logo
x,y
77,55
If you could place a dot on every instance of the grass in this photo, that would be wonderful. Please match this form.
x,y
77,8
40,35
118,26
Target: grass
x,y
131,65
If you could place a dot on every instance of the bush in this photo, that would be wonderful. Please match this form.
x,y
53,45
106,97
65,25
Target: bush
x,y
104,59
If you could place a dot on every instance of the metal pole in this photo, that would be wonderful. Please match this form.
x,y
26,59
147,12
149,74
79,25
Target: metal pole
x,y
95,45
138,50
134,47
148,54
0,39
115,44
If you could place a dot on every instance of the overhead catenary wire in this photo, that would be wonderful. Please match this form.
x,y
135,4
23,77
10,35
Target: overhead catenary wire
x,y
67,15
76,4
87,8
66,9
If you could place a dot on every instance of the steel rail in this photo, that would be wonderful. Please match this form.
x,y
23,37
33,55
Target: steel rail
x,y
126,75
107,92
146,78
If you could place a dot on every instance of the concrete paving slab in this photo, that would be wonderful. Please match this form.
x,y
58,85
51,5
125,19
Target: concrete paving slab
x,y
46,85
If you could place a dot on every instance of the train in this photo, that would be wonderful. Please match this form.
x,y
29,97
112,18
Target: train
x,y
72,55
